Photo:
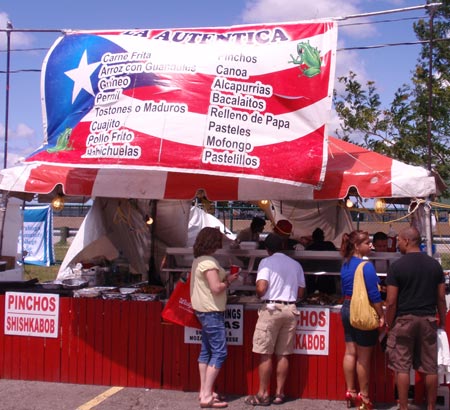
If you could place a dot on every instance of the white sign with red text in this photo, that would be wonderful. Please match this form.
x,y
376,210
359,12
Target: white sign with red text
x,y
312,333
234,325
31,314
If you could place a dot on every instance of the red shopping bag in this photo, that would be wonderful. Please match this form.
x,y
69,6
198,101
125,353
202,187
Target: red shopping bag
x,y
179,309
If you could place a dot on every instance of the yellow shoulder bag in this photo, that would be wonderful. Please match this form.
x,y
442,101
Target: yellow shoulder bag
x,y
363,316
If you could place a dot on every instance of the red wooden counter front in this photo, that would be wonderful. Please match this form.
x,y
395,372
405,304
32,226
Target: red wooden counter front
x,y
121,343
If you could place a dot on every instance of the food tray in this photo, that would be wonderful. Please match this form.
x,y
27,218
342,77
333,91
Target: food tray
x,y
128,291
52,284
149,289
144,297
86,293
114,296
102,289
74,284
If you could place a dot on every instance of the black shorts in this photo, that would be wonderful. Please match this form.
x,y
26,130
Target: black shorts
x,y
366,338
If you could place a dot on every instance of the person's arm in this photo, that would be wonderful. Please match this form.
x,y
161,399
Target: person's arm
x,y
379,309
215,284
391,304
441,305
261,287
300,293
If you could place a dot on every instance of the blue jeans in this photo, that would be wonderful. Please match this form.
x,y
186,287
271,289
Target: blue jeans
x,y
214,344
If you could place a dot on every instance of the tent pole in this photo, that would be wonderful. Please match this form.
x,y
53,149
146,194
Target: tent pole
x,y
428,230
152,265
3,208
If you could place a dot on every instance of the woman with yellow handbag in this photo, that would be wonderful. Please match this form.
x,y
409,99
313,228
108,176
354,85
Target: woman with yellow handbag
x,y
359,344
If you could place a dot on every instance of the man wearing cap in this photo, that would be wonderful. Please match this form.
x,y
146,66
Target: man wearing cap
x,y
279,283
283,229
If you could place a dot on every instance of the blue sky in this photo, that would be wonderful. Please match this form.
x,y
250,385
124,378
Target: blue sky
x,y
389,67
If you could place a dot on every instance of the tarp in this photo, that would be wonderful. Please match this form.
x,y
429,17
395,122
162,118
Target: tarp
x,y
372,174
113,226
36,238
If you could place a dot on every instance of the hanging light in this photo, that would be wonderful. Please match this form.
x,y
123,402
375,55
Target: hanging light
x,y
58,202
379,206
148,220
263,203
349,203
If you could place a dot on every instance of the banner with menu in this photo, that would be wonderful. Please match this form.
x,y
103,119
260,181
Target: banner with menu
x,y
250,101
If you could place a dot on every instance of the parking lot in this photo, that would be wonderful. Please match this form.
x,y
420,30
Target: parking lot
x,y
30,395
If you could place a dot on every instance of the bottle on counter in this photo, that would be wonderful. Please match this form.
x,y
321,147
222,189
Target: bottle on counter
x,y
120,269
392,240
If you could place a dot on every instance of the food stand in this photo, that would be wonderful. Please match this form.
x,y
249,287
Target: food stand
x,y
152,133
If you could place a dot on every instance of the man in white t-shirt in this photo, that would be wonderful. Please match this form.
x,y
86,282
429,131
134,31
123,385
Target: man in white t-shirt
x,y
280,283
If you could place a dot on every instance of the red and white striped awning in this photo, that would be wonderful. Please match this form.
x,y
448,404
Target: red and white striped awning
x,y
372,174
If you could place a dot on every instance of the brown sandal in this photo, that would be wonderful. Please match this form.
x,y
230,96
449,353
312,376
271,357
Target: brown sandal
x,y
257,400
279,399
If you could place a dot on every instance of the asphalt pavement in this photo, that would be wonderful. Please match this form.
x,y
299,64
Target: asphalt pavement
x,y
31,395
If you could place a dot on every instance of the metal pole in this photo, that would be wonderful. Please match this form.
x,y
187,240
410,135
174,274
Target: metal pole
x,y
428,230
4,195
8,60
430,88
428,226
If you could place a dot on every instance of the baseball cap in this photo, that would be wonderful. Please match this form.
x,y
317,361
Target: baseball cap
x,y
283,227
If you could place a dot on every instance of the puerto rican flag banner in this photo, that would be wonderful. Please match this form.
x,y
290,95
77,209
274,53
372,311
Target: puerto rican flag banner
x,y
246,102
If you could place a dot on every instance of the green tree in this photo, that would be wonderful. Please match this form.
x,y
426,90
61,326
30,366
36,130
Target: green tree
x,y
401,130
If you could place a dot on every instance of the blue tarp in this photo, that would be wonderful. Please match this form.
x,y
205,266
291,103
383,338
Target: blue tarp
x,y
36,238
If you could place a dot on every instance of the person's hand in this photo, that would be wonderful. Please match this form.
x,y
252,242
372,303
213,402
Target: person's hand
x,y
382,322
233,276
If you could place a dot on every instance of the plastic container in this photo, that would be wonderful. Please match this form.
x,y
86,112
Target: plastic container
x,y
120,269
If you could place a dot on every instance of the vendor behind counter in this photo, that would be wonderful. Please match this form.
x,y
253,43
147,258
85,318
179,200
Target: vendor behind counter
x,y
322,283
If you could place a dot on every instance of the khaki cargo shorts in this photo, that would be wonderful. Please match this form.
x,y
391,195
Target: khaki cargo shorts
x,y
275,329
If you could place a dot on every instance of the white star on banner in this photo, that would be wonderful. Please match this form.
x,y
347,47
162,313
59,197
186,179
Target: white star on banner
x,y
81,76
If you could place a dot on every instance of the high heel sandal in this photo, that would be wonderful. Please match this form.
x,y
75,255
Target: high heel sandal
x,y
364,402
351,398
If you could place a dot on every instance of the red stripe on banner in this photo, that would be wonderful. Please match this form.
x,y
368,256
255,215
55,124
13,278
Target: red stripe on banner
x,y
181,89
285,159
279,161
292,91
185,186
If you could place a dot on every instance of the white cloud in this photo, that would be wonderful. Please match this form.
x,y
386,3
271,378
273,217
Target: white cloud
x,y
21,142
350,61
257,11
18,39
288,10
334,124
